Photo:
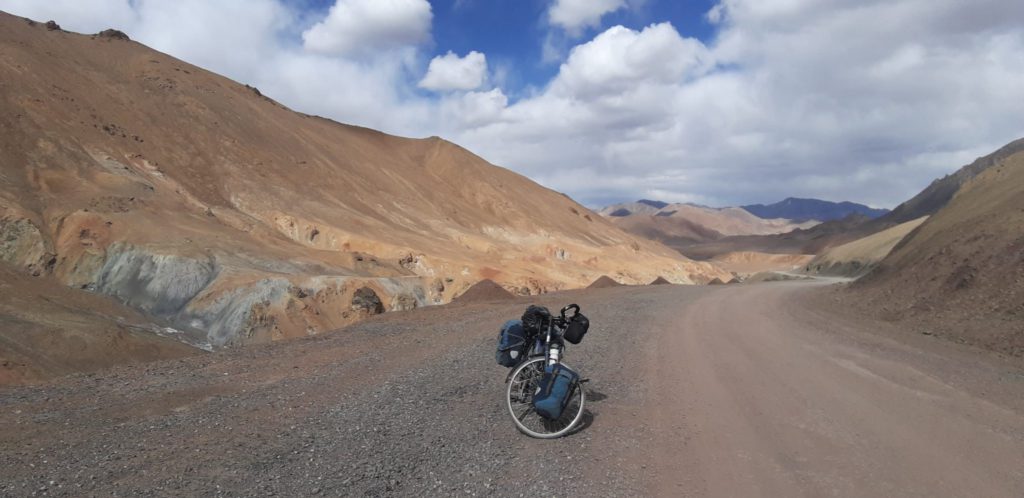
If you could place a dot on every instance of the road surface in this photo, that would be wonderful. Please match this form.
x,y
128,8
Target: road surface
x,y
744,390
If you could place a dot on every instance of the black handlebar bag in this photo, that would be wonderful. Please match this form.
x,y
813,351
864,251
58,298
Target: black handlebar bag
x,y
576,328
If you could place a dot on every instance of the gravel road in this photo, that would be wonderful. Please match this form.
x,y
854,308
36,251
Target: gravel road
x,y
695,391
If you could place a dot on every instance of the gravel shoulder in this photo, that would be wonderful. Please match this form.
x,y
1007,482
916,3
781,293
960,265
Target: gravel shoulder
x,y
729,390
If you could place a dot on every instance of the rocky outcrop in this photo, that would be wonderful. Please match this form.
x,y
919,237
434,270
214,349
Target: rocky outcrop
x,y
365,299
22,245
113,34
161,284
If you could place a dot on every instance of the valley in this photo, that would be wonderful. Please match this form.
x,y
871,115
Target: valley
x,y
203,291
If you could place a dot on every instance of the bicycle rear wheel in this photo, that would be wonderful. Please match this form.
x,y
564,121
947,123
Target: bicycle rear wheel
x,y
519,399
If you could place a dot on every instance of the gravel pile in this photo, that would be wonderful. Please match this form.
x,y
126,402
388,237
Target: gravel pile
x,y
603,282
484,291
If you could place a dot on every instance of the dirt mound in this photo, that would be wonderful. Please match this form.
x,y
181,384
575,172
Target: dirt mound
x,y
961,273
716,281
660,281
484,291
603,282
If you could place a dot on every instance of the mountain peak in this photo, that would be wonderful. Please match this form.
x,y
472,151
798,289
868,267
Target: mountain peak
x,y
653,204
796,208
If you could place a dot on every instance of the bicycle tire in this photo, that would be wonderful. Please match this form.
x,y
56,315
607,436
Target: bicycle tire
x,y
520,401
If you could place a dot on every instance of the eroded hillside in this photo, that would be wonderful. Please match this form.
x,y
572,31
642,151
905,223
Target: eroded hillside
x,y
198,200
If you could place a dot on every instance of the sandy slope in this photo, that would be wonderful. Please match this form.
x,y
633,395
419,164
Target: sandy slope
x,y
694,391
961,273
200,201
860,256
750,262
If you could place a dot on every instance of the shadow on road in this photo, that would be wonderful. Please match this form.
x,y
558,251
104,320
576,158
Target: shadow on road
x,y
594,396
588,414
586,421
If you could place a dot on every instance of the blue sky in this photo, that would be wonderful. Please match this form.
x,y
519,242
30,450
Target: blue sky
x,y
513,32
720,102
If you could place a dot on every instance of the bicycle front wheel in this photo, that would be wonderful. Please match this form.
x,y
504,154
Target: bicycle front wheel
x,y
519,399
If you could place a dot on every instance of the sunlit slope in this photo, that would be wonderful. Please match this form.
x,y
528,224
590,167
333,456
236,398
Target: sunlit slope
x,y
197,199
962,271
860,256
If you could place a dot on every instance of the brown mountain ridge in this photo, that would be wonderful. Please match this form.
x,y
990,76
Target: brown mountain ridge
x,y
960,274
199,201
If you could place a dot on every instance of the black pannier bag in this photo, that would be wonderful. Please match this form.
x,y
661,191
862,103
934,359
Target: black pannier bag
x,y
576,328
511,344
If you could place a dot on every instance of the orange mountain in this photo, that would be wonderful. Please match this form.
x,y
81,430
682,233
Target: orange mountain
x,y
197,200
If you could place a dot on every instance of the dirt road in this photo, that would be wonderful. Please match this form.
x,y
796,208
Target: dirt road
x,y
695,391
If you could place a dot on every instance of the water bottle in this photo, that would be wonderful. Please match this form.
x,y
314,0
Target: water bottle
x,y
553,353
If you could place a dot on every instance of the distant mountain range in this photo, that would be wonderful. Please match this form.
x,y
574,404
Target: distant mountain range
x,y
680,225
792,208
812,209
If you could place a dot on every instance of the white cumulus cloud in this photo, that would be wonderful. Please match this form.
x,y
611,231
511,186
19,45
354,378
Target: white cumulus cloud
x,y
365,26
866,101
451,72
574,15
621,58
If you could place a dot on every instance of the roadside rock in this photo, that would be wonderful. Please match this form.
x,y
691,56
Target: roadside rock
x,y
365,299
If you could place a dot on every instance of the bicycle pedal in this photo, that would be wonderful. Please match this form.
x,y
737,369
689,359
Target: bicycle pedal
x,y
583,381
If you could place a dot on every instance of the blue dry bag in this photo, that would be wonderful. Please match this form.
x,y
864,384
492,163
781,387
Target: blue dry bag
x,y
511,344
555,390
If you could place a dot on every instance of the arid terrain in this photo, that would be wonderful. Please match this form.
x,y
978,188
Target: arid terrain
x,y
746,263
740,390
203,292
682,225
820,238
960,274
210,208
49,330
856,258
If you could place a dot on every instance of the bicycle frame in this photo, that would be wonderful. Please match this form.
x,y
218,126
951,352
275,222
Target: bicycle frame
x,y
556,325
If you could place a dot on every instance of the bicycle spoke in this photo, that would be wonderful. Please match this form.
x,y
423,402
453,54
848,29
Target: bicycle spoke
x,y
525,413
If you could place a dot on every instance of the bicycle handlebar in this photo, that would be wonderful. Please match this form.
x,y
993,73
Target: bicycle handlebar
x,y
576,310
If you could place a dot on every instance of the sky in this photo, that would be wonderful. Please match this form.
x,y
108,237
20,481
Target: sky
x,y
717,102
